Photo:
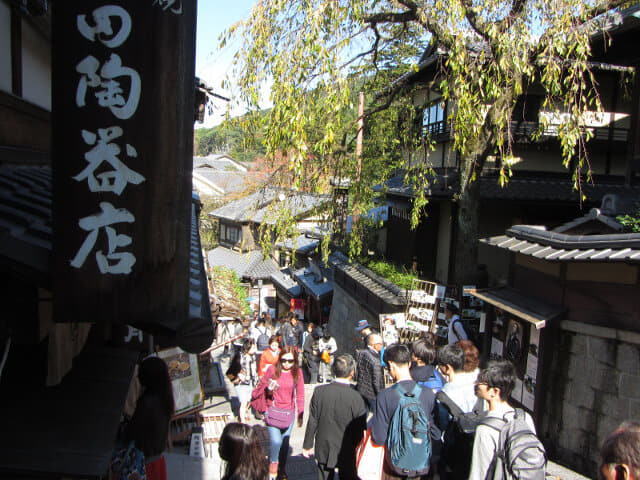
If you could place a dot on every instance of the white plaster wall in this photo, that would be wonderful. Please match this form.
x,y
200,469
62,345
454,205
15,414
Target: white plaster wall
x,y
5,47
36,67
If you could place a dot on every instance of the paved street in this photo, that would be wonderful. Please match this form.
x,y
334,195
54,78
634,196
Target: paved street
x,y
181,466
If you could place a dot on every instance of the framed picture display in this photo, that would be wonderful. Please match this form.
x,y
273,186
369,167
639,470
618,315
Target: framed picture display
x,y
185,379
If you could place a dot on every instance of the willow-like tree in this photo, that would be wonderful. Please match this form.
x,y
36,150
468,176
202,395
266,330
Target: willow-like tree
x,y
316,55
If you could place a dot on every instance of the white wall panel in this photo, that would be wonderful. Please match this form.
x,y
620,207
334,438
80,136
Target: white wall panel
x,y
36,67
5,47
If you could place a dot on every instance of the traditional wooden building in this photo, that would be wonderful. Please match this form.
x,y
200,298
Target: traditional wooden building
x,y
64,379
568,315
541,190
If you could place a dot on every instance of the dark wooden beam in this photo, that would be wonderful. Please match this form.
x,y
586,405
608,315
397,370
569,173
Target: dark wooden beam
x,y
16,51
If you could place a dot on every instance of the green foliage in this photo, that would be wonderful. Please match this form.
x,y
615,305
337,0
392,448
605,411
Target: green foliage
x,y
398,276
631,222
208,227
240,138
229,277
316,55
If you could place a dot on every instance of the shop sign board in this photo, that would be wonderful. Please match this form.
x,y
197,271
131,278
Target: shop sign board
x,y
123,103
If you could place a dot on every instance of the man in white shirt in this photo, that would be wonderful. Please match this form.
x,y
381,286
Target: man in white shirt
x,y
494,385
456,329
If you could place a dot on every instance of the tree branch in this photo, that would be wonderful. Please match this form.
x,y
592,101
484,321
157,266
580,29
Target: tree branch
x,y
517,9
478,25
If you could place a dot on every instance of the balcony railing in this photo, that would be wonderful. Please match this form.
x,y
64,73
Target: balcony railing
x,y
523,132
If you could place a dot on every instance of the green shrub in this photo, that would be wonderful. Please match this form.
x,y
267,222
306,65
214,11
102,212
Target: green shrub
x,y
400,277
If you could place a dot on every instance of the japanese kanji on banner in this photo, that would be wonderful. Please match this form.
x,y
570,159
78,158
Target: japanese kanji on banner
x,y
123,100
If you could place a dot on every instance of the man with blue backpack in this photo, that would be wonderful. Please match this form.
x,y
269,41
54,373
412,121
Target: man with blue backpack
x,y
403,420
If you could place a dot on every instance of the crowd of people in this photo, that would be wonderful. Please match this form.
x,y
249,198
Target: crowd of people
x,y
457,416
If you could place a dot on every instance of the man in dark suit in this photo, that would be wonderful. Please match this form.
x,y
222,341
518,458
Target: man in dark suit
x,y
337,419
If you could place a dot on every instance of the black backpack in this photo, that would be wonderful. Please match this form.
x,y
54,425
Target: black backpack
x,y
458,437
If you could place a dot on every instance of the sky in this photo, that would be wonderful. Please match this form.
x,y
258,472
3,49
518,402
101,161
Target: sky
x,y
213,64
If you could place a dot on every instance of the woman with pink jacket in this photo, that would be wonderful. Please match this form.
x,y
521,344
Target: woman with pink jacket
x,y
283,390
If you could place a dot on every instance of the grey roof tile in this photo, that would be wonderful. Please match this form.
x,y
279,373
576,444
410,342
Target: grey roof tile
x,y
26,236
259,207
557,246
246,265
318,287
25,218
283,280
301,244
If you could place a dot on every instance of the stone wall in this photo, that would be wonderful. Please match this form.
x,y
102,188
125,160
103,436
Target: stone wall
x,y
594,386
346,312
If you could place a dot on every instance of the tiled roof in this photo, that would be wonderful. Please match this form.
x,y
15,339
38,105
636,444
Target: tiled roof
x,y
301,244
318,287
382,288
258,207
540,243
283,280
26,237
218,162
227,181
262,269
25,219
246,265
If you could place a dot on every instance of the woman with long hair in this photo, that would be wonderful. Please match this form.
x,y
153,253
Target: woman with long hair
x,y
283,387
240,447
243,373
149,426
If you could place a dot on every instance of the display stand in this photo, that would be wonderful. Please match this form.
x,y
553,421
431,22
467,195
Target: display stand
x,y
184,372
420,316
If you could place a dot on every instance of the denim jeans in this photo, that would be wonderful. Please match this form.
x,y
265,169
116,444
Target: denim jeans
x,y
279,444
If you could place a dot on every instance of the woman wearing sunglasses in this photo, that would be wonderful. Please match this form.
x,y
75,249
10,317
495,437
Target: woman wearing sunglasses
x,y
283,389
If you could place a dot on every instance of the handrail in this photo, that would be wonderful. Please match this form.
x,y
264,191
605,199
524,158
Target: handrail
x,y
442,130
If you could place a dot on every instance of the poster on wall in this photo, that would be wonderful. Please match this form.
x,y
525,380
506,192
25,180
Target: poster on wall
x,y
513,342
496,349
534,341
517,391
391,325
185,379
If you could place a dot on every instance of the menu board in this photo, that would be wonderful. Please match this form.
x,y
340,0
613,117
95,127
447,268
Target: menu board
x,y
184,373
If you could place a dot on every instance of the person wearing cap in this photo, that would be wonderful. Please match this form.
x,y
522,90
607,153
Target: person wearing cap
x,y
456,329
365,330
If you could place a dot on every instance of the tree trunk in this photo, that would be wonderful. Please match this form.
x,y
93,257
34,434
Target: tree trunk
x,y
466,236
